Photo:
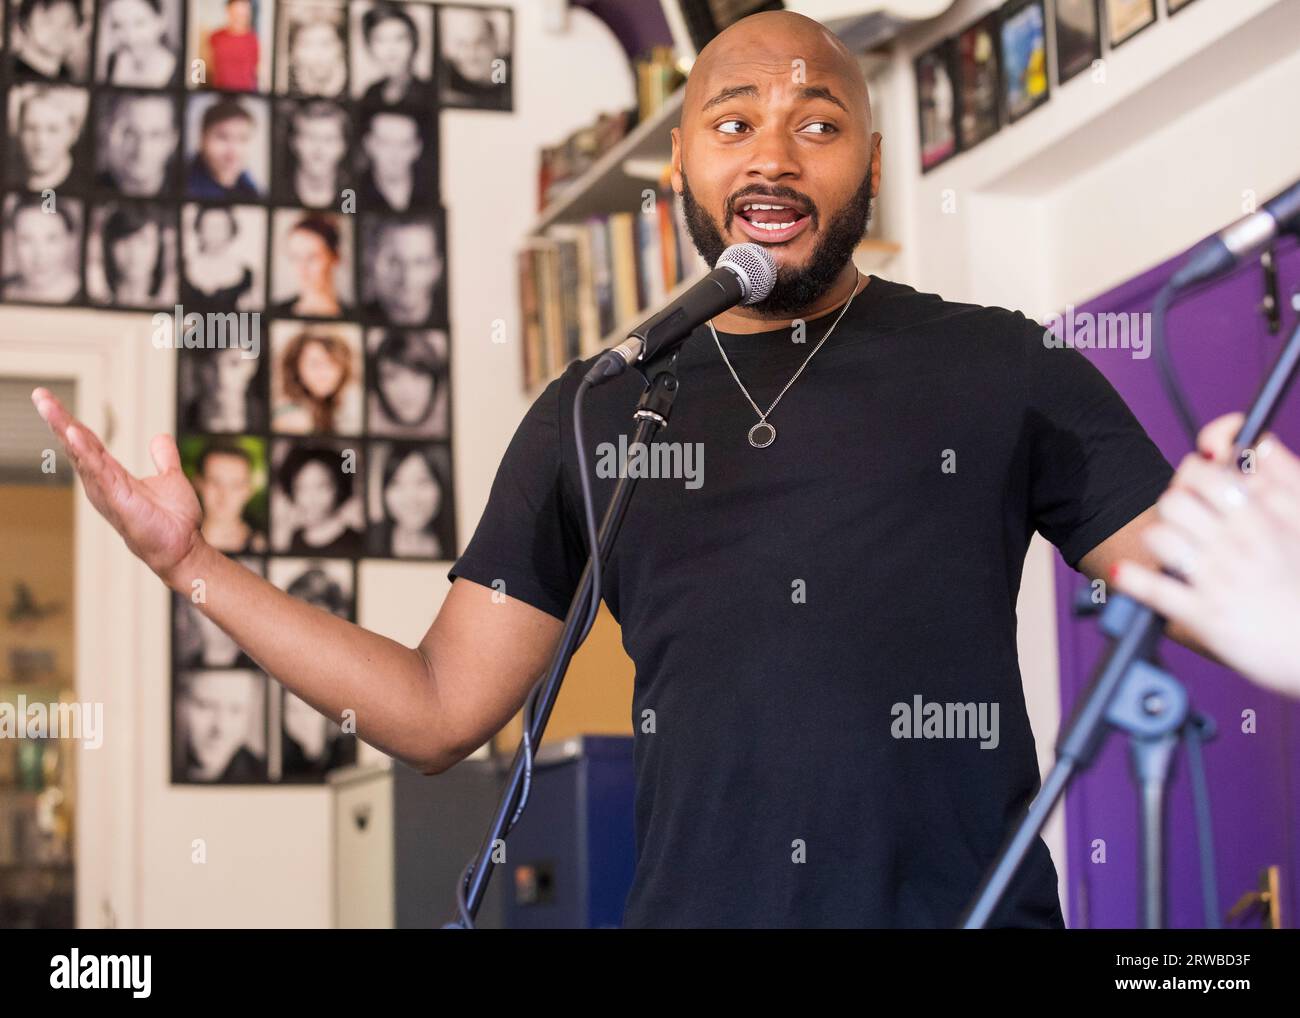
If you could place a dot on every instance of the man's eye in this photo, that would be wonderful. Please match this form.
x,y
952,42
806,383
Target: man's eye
x,y
824,127
731,126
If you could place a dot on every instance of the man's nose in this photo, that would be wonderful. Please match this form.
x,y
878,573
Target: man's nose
x,y
774,155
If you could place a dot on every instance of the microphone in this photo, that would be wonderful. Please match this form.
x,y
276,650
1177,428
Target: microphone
x,y
745,274
1244,239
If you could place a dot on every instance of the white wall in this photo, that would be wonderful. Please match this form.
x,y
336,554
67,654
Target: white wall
x,y
1110,177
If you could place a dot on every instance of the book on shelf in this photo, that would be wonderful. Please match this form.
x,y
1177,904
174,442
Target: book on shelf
x,y
582,281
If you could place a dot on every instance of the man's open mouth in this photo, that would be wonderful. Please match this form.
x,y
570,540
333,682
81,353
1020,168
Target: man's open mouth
x,y
770,220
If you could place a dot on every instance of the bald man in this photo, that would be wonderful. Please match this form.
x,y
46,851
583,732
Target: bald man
x,y
829,719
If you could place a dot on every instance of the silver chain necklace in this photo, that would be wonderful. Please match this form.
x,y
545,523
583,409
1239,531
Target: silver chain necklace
x,y
763,434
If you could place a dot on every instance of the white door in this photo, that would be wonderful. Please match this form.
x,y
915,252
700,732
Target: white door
x,y
101,356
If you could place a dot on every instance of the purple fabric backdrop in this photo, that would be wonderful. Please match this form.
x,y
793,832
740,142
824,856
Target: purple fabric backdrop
x,y
1222,348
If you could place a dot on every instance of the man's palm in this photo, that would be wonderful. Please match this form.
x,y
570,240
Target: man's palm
x,y
158,517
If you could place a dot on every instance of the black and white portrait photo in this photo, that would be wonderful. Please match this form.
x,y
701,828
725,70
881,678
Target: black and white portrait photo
x,y
221,390
392,54
219,726
223,262
311,744
408,383
311,264
137,141
138,43
311,49
327,583
474,66
132,256
398,161
42,249
409,502
46,127
229,476
402,276
227,146
316,500
316,378
197,641
312,140
50,39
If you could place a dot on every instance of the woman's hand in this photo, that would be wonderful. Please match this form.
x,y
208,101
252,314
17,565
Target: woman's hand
x,y
158,517
1232,540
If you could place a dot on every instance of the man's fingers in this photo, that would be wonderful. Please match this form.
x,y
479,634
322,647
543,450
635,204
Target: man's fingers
x,y
107,483
61,422
1172,599
74,436
51,411
166,457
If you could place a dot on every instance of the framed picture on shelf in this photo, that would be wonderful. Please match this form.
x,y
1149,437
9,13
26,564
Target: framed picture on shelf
x,y
1024,59
1125,18
978,83
1078,37
936,97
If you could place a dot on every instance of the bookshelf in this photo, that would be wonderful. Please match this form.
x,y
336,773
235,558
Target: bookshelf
x,y
614,182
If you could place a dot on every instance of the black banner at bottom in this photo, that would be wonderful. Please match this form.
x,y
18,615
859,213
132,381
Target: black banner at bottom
x,y
334,967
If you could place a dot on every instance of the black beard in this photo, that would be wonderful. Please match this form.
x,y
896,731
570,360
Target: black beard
x,y
796,289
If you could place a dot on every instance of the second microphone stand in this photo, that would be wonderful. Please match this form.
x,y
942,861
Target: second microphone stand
x,y
1131,693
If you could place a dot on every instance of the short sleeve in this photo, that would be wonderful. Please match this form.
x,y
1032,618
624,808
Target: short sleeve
x,y
1093,467
527,538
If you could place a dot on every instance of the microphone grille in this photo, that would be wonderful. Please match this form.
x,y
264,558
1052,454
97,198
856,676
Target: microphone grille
x,y
755,268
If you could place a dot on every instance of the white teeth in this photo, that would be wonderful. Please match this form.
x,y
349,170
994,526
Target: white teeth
x,y
770,226
751,206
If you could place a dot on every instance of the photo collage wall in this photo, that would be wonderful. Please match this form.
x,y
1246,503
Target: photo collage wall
x,y
262,176
996,70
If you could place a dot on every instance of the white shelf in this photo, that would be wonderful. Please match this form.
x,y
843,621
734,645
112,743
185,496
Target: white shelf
x,y
615,181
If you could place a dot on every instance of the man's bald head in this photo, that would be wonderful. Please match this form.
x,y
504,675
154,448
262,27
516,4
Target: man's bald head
x,y
775,147
780,43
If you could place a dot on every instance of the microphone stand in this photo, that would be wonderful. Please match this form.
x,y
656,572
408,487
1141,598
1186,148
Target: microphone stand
x,y
651,414
1129,692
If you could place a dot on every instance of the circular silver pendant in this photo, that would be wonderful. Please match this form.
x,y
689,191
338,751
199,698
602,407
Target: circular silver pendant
x,y
761,435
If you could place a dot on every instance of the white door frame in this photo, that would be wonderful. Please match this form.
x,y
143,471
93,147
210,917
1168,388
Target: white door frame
x,y
102,354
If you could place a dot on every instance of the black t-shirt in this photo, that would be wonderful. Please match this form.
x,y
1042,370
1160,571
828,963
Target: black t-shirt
x,y
784,611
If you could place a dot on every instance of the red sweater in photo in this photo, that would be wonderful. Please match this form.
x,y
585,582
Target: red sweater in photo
x,y
234,60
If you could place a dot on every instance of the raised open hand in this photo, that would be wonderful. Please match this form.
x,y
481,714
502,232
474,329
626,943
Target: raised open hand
x,y
158,517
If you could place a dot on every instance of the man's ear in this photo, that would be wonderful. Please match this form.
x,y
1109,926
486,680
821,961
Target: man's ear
x,y
875,163
676,176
